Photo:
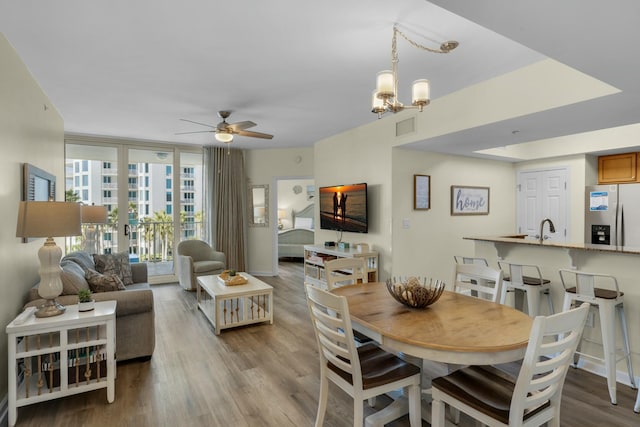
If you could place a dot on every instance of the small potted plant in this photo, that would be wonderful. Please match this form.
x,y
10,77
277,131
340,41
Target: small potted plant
x,y
85,300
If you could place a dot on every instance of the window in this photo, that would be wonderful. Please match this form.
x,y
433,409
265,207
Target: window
x,y
106,179
132,195
76,181
133,168
169,209
146,181
106,165
168,184
85,165
85,180
169,196
106,194
168,170
85,195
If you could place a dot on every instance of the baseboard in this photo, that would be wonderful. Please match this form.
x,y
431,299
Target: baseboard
x,y
598,369
4,412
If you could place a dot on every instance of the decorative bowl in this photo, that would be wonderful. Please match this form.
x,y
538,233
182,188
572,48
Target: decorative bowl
x,y
415,292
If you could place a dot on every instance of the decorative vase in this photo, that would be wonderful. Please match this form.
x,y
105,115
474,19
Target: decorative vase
x,y
86,306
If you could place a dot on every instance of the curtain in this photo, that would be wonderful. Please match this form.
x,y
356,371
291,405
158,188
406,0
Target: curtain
x,y
226,204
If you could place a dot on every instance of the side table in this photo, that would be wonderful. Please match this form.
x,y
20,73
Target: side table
x,y
63,355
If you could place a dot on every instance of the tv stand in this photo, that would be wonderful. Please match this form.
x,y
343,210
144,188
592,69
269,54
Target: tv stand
x,y
315,257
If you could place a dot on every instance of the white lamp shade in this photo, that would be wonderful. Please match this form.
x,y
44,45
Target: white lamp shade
x,y
48,219
384,83
93,214
377,104
420,92
224,137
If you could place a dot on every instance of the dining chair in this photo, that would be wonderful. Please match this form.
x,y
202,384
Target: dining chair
x,y
362,372
601,290
494,399
345,271
460,259
528,279
478,280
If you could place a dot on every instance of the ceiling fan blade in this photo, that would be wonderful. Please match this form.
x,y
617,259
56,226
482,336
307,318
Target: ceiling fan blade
x,y
254,134
198,123
238,126
198,131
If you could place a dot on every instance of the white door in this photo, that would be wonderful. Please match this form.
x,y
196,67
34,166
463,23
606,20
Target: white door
x,y
543,194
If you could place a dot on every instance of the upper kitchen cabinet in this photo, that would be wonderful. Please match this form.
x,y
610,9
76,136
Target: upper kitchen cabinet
x,y
618,168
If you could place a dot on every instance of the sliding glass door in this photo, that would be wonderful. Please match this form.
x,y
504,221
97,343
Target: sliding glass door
x,y
152,202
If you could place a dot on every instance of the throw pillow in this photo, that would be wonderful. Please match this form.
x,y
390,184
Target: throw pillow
x,y
117,264
103,282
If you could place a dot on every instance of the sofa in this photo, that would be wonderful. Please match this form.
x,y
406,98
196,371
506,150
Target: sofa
x,y
135,316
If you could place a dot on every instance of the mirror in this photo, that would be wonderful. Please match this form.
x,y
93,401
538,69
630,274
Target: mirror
x,y
259,205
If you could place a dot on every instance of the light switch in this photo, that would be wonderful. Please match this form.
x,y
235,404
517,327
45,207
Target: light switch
x,y
406,223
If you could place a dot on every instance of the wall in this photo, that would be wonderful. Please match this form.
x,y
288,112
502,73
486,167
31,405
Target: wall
x,y
425,241
31,130
266,167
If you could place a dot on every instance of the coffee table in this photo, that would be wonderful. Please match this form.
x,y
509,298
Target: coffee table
x,y
230,306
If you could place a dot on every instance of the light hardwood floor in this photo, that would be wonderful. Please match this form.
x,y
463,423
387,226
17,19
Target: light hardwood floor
x,y
259,375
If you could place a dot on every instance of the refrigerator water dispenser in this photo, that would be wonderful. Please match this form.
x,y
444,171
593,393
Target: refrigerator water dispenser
x,y
601,234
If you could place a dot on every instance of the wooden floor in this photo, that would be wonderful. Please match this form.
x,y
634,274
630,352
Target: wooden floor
x,y
259,375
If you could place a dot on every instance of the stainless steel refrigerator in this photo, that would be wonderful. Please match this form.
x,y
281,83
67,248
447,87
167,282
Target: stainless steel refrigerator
x,y
613,215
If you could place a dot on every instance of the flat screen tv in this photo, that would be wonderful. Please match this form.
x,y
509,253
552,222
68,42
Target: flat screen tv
x,y
344,208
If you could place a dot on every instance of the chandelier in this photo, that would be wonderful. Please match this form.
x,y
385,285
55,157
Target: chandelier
x,y
385,96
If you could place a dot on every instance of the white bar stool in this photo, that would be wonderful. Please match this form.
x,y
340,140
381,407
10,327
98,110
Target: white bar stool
x,y
581,286
532,283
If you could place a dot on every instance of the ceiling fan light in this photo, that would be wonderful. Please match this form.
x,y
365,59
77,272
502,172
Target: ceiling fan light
x,y
385,84
420,92
224,137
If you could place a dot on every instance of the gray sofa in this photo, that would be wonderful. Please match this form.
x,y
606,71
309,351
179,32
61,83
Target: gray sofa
x,y
135,316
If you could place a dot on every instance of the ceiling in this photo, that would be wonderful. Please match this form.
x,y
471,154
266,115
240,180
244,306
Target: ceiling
x,y
305,71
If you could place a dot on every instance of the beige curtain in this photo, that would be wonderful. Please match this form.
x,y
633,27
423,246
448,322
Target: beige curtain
x,y
226,204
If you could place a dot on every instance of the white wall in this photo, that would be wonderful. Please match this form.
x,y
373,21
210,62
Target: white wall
x,y
264,167
426,248
32,131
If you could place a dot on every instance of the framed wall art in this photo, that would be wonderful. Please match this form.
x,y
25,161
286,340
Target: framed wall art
x,y
37,184
421,192
467,200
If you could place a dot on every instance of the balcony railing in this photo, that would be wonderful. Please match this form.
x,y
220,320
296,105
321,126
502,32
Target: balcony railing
x,y
152,241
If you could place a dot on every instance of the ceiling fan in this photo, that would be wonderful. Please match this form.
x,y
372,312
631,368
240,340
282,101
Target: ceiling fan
x,y
224,131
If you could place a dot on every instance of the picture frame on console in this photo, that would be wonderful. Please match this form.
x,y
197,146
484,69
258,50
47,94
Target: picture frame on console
x,y
467,200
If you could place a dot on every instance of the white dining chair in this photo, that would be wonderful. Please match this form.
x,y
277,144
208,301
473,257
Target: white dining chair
x,y
345,271
477,280
494,399
460,259
362,372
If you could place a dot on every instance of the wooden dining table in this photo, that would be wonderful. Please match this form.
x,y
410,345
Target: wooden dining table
x,y
458,329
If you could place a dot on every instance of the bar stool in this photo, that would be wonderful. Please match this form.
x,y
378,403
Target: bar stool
x,y
533,284
581,286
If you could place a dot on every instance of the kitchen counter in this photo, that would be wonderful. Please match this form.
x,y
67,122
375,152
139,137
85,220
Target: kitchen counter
x,y
521,239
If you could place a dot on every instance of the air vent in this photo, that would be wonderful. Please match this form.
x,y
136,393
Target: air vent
x,y
406,126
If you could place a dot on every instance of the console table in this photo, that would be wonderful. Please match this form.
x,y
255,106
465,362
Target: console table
x,y
315,257
59,356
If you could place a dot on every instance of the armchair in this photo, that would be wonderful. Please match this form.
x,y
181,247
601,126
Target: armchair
x,y
197,258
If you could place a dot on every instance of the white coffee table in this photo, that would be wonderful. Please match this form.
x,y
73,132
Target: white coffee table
x,y
230,306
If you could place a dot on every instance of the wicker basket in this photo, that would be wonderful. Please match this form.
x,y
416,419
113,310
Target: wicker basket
x,y
414,292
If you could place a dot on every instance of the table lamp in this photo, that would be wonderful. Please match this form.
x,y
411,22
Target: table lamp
x,y
91,216
49,219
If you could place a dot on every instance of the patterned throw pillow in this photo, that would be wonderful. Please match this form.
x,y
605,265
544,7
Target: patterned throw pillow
x,y
103,282
117,264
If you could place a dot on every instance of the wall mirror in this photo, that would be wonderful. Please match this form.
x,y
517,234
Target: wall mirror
x,y
259,205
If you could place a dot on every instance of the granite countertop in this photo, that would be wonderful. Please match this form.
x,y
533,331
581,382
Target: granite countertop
x,y
519,239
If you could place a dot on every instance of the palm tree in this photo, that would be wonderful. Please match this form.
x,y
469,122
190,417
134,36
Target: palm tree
x,y
146,227
71,196
165,229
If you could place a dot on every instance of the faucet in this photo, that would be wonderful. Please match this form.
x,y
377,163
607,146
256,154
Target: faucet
x,y
552,228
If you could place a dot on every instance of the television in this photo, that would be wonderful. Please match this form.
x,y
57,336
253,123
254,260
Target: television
x,y
344,208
